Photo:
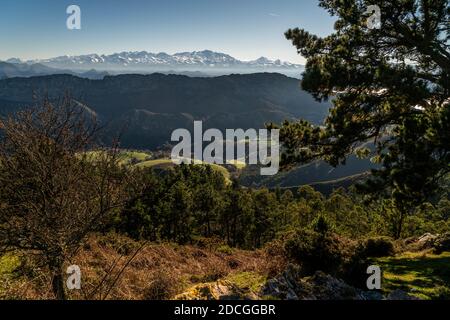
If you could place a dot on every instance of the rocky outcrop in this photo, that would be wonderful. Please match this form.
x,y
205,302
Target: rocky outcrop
x,y
400,295
427,240
290,286
438,242
442,243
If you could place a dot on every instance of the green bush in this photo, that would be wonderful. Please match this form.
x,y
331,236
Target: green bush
x,y
225,249
354,268
378,247
358,258
315,251
330,253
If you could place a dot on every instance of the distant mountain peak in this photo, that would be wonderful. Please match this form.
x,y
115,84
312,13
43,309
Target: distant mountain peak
x,y
14,60
143,59
263,59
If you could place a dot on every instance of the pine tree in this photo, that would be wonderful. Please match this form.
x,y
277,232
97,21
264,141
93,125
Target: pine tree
x,y
390,87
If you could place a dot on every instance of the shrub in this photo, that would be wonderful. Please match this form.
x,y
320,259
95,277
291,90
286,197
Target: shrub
x,y
357,260
378,247
276,257
354,269
442,243
163,287
330,253
225,249
209,243
212,274
276,247
314,251
233,263
121,244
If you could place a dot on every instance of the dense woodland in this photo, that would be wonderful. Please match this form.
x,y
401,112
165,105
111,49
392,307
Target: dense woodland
x,y
190,202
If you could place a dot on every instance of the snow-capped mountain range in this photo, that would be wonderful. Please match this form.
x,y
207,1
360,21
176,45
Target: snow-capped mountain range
x,y
143,59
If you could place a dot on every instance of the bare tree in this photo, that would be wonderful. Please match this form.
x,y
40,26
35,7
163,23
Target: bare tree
x,y
54,189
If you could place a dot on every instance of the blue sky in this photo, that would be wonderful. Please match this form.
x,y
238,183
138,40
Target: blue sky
x,y
245,29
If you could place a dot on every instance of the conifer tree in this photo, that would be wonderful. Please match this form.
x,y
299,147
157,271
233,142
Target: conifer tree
x,y
390,89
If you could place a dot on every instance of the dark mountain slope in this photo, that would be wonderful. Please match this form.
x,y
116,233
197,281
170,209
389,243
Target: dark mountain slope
x,y
145,109
152,106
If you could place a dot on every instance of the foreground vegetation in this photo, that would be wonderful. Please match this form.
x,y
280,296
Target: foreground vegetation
x,y
171,271
424,274
159,271
56,194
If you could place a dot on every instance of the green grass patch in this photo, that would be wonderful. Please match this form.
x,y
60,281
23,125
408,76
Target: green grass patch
x,y
247,280
153,163
424,275
126,156
8,264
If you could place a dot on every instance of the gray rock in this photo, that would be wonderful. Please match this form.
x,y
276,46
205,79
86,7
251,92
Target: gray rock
x,y
400,295
427,240
289,285
371,295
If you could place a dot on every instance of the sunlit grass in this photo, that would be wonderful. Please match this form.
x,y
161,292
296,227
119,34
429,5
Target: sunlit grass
x,y
8,264
153,163
127,156
423,274
252,281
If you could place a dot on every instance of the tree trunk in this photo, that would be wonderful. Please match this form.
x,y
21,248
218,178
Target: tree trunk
x,y
399,223
399,227
56,268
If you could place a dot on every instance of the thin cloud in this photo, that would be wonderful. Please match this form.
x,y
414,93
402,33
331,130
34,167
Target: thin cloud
x,y
274,14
